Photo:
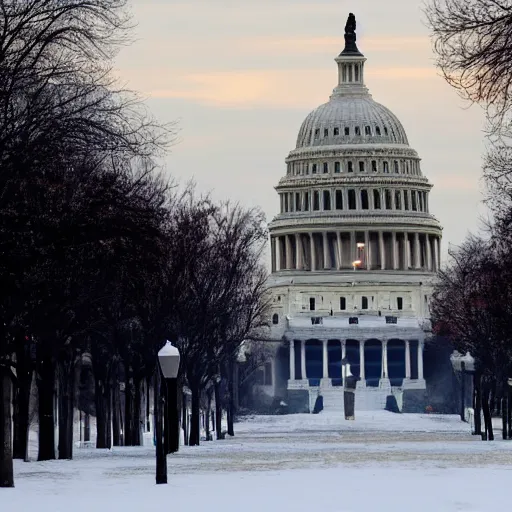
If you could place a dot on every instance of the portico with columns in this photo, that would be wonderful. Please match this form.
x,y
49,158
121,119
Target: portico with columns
x,y
354,251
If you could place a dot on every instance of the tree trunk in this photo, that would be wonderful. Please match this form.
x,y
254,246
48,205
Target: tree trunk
x,y
66,382
504,416
208,412
478,404
101,413
46,391
129,419
184,422
218,412
24,375
116,416
137,414
6,463
195,425
231,402
148,398
509,410
489,434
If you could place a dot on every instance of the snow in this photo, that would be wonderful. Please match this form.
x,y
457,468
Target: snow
x,y
278,463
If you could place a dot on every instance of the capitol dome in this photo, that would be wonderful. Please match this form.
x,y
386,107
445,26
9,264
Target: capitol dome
x,y
351,120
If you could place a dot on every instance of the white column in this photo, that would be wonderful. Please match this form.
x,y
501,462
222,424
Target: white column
x,y
367,250
382,251
339,252
406,250
289,255
278,253
273,253
394,252
313,252
303,359
385,374
407,359
343,349
326,250
292,360
362,373
428,245
325,359
420,359
417,256
298,249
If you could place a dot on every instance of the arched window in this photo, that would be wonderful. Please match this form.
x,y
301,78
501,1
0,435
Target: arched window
x,y
327,200
358,130
374,165
351,199
361,166
385,166
397,170
316,200
364,200
339,200
389,205
398,200
367,130
336,131
275,319
377,130
376,200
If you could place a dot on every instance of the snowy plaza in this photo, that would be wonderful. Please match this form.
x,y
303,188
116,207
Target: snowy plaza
x,y
295,462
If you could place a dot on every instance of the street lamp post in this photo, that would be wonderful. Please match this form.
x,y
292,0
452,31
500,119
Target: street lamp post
x,y
463,364
348,391
169,363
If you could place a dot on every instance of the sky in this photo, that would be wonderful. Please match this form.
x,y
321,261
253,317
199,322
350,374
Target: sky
x,y
238,77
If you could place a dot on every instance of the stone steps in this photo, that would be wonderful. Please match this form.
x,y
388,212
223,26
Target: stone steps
x,y
367,399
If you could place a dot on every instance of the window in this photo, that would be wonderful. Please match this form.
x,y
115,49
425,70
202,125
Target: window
x,y
317,133
358,130
351,199
337,167
377,130
298,206
327,200
275,319
316,200
353,320
339,200
420,201
376,199
407,167
385,131
286,202
350,166
364,303
389,206
398,200
312,305
406,200
399,303
367,130
306,202
347,130
343,303
316,320
313,169
326,167
326,132
374,165
391,319
336,131
385,166
413,200
364,200
361,166
397,170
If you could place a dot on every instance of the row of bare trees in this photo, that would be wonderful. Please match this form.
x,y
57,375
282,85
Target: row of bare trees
x,y
472,304
101,258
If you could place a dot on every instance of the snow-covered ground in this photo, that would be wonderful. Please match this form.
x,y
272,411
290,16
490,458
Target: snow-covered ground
x,y
380,461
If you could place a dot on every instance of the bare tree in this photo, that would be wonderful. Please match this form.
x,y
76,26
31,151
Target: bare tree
x,y
471,40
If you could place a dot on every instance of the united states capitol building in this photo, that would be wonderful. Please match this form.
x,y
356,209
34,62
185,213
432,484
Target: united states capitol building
x,y
354,251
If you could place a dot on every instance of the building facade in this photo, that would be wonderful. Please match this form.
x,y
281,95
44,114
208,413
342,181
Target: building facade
x,y
354,250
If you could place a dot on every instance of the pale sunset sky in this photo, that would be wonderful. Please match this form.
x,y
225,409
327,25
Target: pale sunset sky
x,y
240,76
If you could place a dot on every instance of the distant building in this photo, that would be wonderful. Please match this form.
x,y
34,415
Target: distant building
x,y
354,252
